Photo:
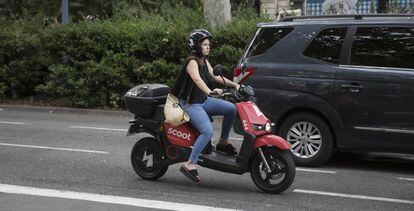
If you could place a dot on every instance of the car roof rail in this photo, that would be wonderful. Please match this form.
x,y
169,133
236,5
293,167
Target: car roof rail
x,y
351,16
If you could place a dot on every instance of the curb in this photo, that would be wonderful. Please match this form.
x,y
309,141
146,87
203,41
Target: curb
x,y
6,107
46,109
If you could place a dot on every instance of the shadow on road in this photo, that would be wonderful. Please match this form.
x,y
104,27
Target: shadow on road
x,y
385,162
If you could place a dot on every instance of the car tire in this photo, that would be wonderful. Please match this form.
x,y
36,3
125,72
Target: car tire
x,y
310,137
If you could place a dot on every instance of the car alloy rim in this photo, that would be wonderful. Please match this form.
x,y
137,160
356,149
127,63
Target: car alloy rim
x,y
305,139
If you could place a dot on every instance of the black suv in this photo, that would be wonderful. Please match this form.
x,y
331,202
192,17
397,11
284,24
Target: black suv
x,y
335,82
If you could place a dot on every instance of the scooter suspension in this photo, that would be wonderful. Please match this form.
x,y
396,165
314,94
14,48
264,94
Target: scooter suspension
x,y
265,161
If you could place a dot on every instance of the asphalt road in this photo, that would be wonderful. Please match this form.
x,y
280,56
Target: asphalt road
x,y
79,160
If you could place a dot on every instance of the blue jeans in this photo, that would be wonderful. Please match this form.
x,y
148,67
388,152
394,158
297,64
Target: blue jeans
x,y
199,118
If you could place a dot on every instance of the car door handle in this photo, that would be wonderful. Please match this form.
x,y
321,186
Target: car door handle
x,y
354,88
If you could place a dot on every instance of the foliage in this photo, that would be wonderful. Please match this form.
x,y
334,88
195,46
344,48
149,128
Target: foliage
x,y
79,9
93,63
23,64
394,6
159,71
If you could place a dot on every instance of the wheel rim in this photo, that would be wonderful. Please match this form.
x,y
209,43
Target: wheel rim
x,y
278,171
305,139
147,158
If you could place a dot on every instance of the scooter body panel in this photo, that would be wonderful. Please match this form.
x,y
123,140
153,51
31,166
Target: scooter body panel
x,y
251,115
183,135
271,140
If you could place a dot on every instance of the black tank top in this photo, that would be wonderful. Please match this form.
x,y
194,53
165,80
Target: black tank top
x,y
197,95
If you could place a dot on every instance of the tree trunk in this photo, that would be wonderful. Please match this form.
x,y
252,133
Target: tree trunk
x,y
217,12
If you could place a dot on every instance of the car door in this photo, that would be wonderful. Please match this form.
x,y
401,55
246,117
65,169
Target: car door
x,y
374,91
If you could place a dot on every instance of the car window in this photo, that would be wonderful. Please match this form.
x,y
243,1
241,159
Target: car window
x,y
327,45
266,38
383,47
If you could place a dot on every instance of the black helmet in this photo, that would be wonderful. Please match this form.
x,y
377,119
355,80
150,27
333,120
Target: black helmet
x,y
195,39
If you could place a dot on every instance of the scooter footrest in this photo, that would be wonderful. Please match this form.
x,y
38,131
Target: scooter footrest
x,y
221,162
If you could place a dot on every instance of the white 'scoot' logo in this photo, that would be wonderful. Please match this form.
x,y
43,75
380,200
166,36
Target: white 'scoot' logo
x,y
179,134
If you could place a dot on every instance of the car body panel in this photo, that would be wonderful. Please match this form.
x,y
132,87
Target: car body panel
x,y
379,117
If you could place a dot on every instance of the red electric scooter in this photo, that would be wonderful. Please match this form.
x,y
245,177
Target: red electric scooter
x,y
262,154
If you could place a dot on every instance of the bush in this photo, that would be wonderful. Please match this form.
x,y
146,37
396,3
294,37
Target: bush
x,y
158,71
23,64
95,63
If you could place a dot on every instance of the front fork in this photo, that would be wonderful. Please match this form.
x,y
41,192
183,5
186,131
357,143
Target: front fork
x,y
264,160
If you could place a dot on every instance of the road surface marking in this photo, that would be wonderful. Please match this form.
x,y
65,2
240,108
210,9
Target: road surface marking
x,y
13,123
137,202
54,148
97,128
316,171
342,195
238,139
1,109
405,178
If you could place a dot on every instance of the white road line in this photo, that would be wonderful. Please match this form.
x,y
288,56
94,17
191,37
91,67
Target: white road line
x,y
1,109
54,148
13,123
238,139
342,195
405,178
316,171
137,202
98,128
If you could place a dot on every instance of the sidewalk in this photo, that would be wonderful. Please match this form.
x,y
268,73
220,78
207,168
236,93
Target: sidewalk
x,y
126,113
6,107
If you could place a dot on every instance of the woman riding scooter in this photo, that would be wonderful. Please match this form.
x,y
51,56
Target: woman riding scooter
x,y
193,87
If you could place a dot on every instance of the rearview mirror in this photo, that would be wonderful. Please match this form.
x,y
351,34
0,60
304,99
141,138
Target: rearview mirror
x,y
218,70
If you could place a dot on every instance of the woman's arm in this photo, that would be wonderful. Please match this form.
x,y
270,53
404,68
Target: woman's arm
x,y
192,70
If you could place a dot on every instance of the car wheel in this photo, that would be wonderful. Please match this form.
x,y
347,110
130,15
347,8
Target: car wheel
x,y
310,138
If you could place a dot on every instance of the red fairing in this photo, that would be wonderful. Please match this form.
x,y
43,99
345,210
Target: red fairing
x,y
271,140
250,114
183,135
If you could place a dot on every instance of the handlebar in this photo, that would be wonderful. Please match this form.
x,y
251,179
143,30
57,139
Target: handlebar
x,y
245,93
226,92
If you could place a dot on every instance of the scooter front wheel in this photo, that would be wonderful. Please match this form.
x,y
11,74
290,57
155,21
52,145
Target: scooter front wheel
x,y
146,157
282,170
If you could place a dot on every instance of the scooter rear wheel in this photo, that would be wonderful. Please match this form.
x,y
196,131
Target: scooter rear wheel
x,y
146,156
282,171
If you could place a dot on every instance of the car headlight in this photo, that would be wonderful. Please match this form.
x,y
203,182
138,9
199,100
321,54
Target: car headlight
x,y
268,127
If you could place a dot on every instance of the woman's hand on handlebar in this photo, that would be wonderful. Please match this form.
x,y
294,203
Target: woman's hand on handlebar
x,y
216,93
237,87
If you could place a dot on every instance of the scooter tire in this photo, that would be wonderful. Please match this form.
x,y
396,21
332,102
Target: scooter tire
x,y
146,159
279,160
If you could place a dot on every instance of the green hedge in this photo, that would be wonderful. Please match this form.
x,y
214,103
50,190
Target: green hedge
x,y
23,64
94,63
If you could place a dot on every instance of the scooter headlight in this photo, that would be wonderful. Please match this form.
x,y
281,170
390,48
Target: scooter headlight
x,y
268,127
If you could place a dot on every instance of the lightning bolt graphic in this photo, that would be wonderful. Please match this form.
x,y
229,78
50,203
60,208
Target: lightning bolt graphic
x,y
148,158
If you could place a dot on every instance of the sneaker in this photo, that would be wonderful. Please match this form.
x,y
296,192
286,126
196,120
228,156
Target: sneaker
x,y
227,149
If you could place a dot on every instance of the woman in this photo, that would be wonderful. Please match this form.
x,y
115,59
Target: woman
x,y
193,87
